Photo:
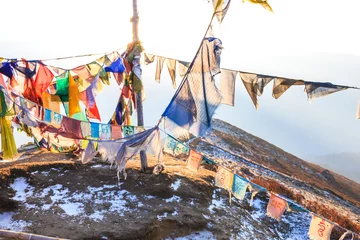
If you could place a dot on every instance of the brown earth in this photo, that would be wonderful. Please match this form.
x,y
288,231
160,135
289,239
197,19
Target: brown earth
x,y
189,213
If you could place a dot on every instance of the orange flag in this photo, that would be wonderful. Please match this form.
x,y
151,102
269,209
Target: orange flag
x,y
224,178
74,97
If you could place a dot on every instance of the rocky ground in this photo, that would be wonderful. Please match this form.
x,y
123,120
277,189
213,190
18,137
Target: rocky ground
x,y
75,201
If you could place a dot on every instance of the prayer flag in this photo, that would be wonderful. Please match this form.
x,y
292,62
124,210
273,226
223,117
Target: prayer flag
x,y
47,115
194,160
263,3
116,66
128,131
183,67
239,187
56,119
170,144
85,129
116,132
276,207
95,130
83,73
74,97
227,86
320,229
224,178
149,58
318,89
159,67
255,85
43,79
220,8
51,102
105,132
283,84
181,149
171,65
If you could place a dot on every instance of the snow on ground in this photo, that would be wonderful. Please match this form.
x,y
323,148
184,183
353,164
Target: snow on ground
x,y
175,186
7,222
201,235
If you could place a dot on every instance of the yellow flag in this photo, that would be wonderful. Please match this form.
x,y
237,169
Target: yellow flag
x,y
1,59
263,3
74,98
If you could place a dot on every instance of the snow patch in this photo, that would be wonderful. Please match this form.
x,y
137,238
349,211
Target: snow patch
x,y
202,235
22,188
173,199
72,208
7,222
176,185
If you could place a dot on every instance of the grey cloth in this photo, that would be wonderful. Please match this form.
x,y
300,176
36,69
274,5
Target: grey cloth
x,y
159,67
171,65
89,153
254,85
227,86
283,84
319,89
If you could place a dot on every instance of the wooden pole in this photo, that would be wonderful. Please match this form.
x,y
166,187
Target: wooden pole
x,y
139,105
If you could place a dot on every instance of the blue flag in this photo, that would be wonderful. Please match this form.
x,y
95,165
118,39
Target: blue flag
x,y
239,187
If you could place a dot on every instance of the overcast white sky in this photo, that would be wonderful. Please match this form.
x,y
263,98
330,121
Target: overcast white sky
x,y
312,40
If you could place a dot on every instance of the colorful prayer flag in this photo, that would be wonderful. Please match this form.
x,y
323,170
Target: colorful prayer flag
x,y
43,79
170,144
239,187
220,8
116,132
47,115
56,119
105,132
320,229
128,131
194,160
74,97
95,130
276,207
85,129
224,178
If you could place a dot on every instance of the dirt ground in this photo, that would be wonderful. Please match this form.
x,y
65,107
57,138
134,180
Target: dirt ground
x,y
175,203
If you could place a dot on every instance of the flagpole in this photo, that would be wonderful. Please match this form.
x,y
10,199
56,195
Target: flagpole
x,y
139,105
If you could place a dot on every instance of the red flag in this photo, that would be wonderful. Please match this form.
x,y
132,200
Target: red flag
x,y
43,79
93,112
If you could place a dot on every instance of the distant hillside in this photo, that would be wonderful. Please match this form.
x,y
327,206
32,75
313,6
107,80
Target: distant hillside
x,y
347,164
227,138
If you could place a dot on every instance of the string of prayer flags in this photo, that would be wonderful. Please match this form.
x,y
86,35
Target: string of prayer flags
x,y
276,207
320,229
239,187
224,178
220,8
227,86
194,160
318,89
